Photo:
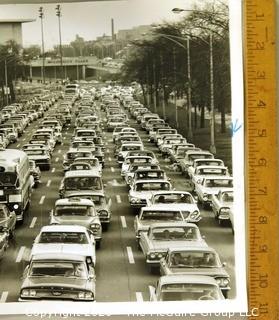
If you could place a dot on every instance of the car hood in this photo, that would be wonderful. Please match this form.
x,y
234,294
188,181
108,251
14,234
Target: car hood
x,y
212,272
81,221
141,194
79,249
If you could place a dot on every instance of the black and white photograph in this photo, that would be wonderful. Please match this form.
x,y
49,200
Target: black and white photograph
x,y
121,157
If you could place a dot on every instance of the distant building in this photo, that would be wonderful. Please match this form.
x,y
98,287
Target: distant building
x,y
132,34
11,29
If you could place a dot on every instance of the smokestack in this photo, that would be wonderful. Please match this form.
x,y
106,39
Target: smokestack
x,y
112,30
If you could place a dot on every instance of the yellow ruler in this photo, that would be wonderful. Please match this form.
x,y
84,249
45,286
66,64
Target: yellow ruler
x,y
261,163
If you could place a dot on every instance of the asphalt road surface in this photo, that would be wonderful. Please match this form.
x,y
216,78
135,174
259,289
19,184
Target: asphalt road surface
x,y
122,274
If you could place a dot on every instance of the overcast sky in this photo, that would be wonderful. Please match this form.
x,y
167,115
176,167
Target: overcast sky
x,y
91,19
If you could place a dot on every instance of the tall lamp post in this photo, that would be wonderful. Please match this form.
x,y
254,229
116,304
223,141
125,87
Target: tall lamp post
x,y
41,16
58,14
212,105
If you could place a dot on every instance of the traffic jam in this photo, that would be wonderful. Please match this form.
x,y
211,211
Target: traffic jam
x,y
98,192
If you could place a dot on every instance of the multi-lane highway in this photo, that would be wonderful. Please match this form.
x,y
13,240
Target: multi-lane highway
x,y
121,270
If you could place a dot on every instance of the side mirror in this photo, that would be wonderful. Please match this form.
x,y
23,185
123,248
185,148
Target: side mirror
x,y
203,237
105,185
224,264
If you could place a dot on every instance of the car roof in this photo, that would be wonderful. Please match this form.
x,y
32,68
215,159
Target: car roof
x,y
189,248
211,167
82,173
152,181
168,279
84,194
159,207
68,201
171,192
58,256
63,228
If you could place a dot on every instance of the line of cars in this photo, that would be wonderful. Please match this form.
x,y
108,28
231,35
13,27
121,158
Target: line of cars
x,y
63,257
166,226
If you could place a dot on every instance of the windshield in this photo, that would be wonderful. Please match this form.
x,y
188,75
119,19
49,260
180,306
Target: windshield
x,y
63,237
131,148
73,155
194,259
175,234
209,163
162,216
35,152
8,178
173,198
210,171
192,157
85,134
58,269
219,183
74,210
227,196
152,186
83,183
189,291
149,175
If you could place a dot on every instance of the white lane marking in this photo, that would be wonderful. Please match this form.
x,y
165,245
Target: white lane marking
x,y
23,139
108,151
20,254
106,144
123,222
64,138
56,159
48,183
4,296
18,145
118,198
109,158
112,169
130,255
62,144
42,199
32,224
53,170
59,151
139,296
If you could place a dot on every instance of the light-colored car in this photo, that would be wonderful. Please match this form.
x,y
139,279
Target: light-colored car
x,y
189,158
202,172
155,214
196,261
125,148
179,200
58,277
72,239
74,153
7,219
77,211
222,206
40,156
163,236
141,191
185,288
135,159
129,177
102,205
35,172
211,186
204,162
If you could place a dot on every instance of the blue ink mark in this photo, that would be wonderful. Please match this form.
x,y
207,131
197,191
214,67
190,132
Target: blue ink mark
x,y
235,127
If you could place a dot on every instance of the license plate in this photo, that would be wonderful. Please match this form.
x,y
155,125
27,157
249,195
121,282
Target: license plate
x,y
1,192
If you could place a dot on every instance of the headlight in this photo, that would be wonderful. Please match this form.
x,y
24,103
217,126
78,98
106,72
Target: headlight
x,y
205,196
103,213
95,226
28,293
223,282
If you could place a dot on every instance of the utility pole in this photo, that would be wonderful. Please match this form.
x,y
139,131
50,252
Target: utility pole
x,y
58,14
41,16
212,107
154,83
163,86
190,131
175,91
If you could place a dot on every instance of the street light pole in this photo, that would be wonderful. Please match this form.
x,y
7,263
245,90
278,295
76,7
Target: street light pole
x,y
175,91
163,85
58,13
6,82
154,83
190,131
212,127
41,15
